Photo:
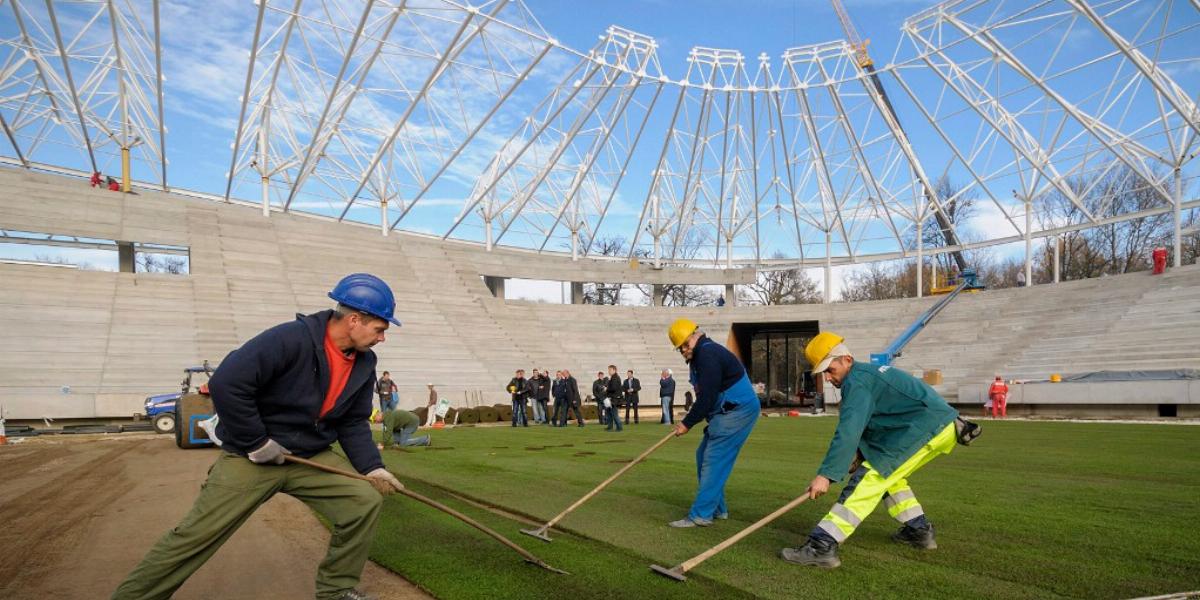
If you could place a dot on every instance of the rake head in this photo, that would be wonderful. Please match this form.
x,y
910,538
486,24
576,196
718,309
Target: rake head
x,y
546,566
537,533
674,572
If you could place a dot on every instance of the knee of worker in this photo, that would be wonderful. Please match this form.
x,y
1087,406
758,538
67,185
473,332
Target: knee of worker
x,y
362,506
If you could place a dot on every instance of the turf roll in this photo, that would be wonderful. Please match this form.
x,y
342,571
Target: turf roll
x,y
468,416
488,414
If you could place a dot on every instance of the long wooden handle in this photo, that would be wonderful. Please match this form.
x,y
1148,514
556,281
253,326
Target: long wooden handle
x,y
687,565
425,500
605,483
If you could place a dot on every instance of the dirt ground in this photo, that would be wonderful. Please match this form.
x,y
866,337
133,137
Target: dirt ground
x,y
77,513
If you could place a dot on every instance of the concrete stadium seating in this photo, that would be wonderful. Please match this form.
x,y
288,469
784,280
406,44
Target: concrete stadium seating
x,y
80,344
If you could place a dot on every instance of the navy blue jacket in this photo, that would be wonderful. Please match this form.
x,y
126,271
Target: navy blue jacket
x,y
714,370
274,385
666,387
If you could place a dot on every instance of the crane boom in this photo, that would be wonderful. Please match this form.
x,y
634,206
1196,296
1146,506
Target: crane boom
x,y
864,62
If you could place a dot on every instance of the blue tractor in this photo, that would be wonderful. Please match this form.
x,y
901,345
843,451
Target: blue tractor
x,y
162,409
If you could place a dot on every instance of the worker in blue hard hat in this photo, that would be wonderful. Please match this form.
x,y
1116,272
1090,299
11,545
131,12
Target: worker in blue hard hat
x,y
889,425
295,388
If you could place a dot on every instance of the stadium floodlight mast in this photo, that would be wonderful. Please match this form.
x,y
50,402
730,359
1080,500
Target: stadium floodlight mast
x,y
470,121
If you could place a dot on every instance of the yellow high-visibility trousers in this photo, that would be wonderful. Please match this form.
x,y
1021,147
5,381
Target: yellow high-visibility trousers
x,y
850,511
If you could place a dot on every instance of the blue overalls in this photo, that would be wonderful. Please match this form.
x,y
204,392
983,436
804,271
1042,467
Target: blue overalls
x,y
728,427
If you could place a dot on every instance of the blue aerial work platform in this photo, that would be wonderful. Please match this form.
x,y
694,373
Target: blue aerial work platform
x,y
968,282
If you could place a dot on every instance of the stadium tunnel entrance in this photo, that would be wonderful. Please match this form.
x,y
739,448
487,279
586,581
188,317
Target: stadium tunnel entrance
x,y
773,354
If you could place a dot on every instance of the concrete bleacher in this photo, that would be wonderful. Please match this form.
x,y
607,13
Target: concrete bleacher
x,y
80,344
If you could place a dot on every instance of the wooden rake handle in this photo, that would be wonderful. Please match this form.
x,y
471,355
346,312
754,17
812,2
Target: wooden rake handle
x,y
431,502
688,564
610,479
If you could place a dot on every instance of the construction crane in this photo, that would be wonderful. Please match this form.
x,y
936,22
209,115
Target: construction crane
x,y
864,62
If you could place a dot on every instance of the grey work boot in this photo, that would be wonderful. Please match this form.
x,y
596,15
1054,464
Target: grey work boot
x,y
690,522
816,555
917,538
354,595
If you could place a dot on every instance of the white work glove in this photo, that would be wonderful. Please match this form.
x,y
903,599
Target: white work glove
x,y
384,482
269,453
210,427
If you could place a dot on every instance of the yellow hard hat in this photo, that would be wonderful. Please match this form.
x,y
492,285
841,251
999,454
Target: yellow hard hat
x,y
819,348
681,330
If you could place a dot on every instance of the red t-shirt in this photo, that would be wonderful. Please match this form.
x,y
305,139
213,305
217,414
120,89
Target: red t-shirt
x,y
339,373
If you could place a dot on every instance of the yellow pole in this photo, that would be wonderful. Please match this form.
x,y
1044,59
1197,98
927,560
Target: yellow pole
x,y
125,169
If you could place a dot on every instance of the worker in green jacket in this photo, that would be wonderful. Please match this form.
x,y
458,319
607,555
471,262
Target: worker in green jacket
x,y
398,427
889,425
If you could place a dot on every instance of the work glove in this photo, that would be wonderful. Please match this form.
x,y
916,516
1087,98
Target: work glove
x,y
384,482
270,453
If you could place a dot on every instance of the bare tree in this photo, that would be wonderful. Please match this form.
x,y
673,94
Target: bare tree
x,y
62,260
146,262
958,205
1114,248
604,293
876,281
786,286
682,294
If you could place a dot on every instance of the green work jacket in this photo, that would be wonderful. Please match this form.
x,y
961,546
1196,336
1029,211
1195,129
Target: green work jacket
x,y
396,420
887,415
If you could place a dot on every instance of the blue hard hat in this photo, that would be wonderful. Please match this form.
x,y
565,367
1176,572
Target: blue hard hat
x,y
368,293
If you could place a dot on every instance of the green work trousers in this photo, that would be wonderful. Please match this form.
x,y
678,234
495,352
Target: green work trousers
x,y
234,490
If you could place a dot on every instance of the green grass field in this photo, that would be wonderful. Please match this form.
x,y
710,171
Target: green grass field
x,y
1032,510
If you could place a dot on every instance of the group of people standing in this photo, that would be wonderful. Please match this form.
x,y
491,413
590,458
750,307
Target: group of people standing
x,y
535,393
609,391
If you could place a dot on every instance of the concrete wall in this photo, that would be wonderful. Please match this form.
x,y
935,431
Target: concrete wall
x,y
82,344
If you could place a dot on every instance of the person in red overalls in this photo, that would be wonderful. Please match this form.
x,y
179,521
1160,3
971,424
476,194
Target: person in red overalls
x,y
96,179
114,185
999,397
1160,260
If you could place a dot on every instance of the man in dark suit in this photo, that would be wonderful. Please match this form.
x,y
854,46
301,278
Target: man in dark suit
x,y
615,393
632,386
599,393
571,399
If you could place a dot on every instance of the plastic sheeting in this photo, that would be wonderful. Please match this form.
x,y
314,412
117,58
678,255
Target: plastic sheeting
x,y
1102,376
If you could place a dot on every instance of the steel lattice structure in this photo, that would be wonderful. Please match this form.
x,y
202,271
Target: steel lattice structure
x,y
473,122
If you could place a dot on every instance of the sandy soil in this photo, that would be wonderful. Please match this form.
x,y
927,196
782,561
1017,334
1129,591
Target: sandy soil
x,y
78,512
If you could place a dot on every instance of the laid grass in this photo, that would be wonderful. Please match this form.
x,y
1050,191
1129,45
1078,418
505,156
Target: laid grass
x,y
1033,510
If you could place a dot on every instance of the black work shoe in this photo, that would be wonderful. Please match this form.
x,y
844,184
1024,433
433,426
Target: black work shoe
x,y
354,595
917,538
966,431
808,554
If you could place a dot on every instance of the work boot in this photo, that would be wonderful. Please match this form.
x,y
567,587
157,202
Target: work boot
x,y
966,431
813,554
690,522
917,538
355,595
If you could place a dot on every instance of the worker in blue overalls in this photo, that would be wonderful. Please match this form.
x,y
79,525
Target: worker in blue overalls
x,y
725,398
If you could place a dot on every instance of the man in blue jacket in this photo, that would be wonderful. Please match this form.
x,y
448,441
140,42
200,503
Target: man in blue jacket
x,y
889,425
725,398
666,396
293,389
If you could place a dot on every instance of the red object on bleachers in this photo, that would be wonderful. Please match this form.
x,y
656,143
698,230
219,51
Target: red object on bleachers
x,y
1160,260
